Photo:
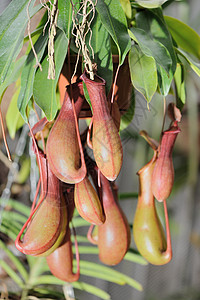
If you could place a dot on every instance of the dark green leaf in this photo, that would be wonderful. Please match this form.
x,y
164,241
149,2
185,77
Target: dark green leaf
x,y
143,72
100,43
127,196
128,116
6,230
13,24
44,90
195,66
180,86
28,73
113,18
65,17
151,47
153,23
164,80
86,94
185,37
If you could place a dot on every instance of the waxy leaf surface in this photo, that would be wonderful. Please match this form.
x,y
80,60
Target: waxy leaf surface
x,y
143,72
44,90
113,18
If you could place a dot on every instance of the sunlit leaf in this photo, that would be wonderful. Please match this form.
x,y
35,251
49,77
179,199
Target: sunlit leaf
x,y
143,72
179,80
152,47
153,23
126,4
195,66
185,37
150,3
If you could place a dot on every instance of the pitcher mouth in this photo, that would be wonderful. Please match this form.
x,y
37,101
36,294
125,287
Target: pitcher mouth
x,y
97,79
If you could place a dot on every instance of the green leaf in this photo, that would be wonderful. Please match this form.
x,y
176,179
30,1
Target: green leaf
x,y
18,206
108,274
49,279
46,293
131,255
128,116
11,273
91,289
96,274
28,73
79,222
195,66
24,171
150,3
153,23
126,5
80,239
185,37
34,36
13,74
127,196
135,257
14,120
133,283
100,43
65,17
13,24
143,72
11,224
44,90
20,268
164,80
113,18
4,229
13,216
151,47
180,86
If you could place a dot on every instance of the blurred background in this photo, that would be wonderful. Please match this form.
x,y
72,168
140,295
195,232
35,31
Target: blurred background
x,y
180,279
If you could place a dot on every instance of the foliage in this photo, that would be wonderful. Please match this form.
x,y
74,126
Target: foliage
x,y
30,280
159,50
162,41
